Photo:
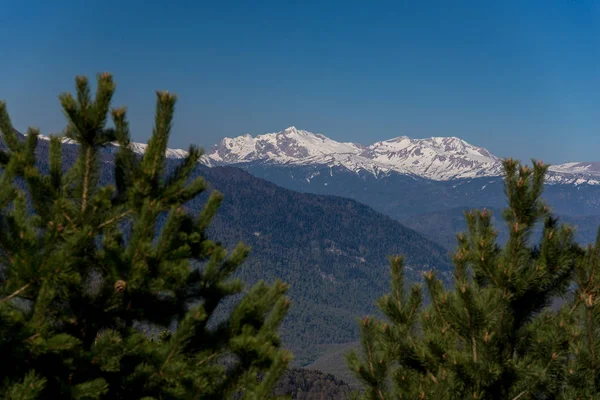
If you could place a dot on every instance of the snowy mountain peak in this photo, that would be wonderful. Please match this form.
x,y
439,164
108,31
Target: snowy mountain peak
x,y
438,158
289,145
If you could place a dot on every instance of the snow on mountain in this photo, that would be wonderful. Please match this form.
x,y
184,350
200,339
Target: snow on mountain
x,y
62,139
575,173
139,148
588,168
438,158
289,145
434,158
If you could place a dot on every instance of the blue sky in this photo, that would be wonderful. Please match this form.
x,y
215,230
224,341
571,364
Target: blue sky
x,y
521,78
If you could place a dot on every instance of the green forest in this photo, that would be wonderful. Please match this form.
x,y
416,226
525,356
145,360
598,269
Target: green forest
x,y
128,276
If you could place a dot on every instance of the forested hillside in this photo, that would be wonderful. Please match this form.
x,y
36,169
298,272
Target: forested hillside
x,y
333,252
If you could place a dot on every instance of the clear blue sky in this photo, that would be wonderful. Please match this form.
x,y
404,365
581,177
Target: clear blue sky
x,y
521,78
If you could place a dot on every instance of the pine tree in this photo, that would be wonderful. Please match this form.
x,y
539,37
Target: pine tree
x,y
85,267
493,335
584,362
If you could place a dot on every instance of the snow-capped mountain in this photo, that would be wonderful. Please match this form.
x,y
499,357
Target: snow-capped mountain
x,y
589,168
139,148
576,173
286,146
438,158
434,158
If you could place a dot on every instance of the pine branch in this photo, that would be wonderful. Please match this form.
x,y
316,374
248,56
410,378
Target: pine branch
x,y
86,178
523,393
114,219
7,129
15,293
55,162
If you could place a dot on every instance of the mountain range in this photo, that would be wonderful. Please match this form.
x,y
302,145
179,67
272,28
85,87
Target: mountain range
x,y
400,177
436,158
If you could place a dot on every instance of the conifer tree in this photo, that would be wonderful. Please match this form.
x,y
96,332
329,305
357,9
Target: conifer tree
x,y
584,362
492,335
83,267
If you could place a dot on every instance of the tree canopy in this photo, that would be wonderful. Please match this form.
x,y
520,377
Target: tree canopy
x,y
111,291
520,322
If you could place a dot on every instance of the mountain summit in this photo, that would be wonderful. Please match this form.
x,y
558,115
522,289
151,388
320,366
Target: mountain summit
x,y
438,158
286,146
435,158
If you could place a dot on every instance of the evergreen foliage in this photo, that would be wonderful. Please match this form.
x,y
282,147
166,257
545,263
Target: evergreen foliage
x,y
84,265
493,335
584,364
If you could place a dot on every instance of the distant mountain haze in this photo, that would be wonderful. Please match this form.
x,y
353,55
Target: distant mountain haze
x,y
442,226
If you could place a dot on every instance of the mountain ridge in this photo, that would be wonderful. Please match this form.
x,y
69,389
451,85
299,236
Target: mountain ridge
x,y
435,158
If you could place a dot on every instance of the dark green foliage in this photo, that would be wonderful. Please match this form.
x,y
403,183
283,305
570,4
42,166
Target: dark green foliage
x,y
584,366
84,265
493,336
